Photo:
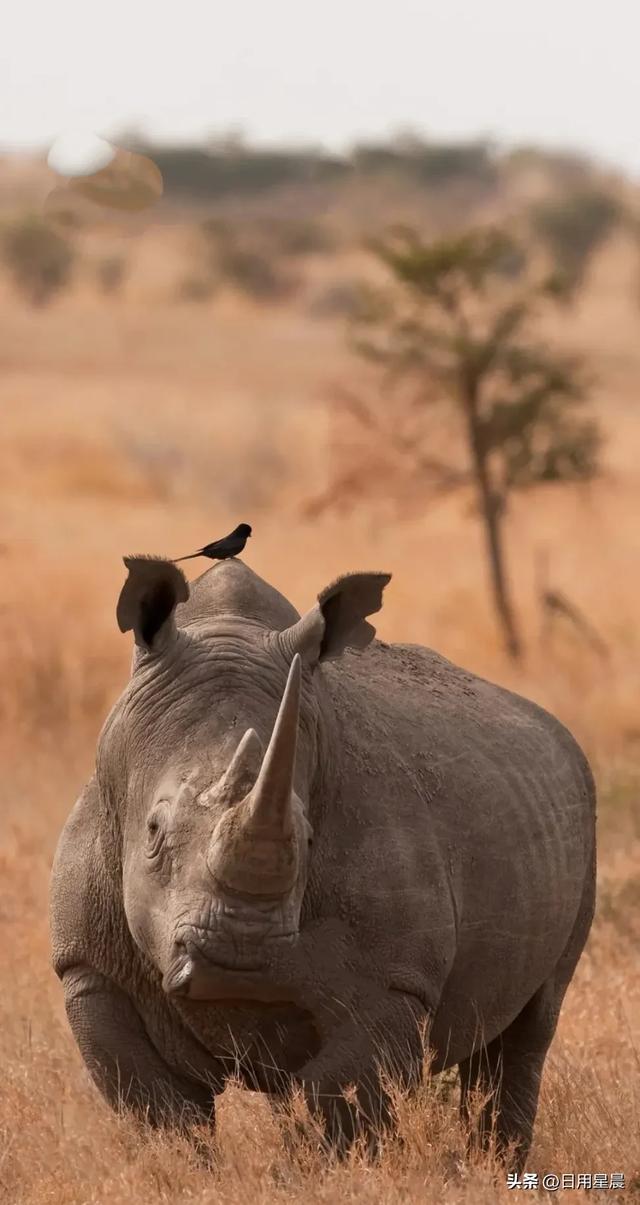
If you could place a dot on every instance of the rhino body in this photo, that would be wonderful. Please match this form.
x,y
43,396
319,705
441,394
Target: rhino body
x,y
295,860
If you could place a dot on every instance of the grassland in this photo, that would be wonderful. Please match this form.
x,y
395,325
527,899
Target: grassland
x,y
145,423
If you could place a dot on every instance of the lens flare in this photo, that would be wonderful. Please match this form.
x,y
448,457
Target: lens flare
x,y
106,175
80,153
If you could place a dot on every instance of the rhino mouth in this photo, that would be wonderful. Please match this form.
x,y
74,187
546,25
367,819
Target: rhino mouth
x,y
197,970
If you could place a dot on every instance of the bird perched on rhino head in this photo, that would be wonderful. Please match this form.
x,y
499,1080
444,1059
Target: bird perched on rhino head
x,y
221,550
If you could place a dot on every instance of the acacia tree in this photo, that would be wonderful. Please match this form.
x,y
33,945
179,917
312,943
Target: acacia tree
x,y
458,324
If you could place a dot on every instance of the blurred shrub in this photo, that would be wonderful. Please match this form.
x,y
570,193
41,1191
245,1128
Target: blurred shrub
x,y
341,299
39,259
286,237
110,273
215,229
297,237
255,274
236,254
574,227
196,288
64,217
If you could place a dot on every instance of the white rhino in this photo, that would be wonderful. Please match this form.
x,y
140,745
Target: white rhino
x,y
294,860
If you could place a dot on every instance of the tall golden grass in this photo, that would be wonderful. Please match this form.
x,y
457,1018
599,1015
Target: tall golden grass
x,y
147,425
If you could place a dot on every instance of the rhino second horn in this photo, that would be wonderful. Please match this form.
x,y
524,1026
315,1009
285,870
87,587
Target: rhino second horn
x,y
271,796
243,769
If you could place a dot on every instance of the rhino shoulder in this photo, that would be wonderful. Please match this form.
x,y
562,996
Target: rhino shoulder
x,y
77,883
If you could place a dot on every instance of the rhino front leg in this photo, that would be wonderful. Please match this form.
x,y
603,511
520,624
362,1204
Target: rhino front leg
x,y
122,1060
346,1084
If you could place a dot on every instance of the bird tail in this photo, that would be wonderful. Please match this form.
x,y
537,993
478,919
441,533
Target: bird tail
x,y
177,559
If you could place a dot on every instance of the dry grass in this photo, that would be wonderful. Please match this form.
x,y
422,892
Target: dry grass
x,y
148,425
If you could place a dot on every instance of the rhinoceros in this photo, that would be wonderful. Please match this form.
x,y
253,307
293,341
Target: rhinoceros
x,y
304,852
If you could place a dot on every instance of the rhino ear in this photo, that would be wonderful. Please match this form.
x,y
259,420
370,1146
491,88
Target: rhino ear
x,y
338,620
148,601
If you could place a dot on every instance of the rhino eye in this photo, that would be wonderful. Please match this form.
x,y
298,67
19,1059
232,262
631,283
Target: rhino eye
x,y
155,835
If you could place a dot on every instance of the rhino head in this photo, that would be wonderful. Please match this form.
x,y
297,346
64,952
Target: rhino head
x,y
211,759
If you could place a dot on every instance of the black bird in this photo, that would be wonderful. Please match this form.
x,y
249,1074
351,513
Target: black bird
x,y
230,545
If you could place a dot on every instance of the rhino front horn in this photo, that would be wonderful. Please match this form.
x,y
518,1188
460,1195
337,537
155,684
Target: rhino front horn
x,y
271,795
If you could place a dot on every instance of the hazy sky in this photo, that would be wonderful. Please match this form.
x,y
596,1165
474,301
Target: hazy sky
x,y
565,72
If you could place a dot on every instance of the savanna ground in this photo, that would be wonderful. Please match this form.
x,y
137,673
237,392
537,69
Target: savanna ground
x,y
146,423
